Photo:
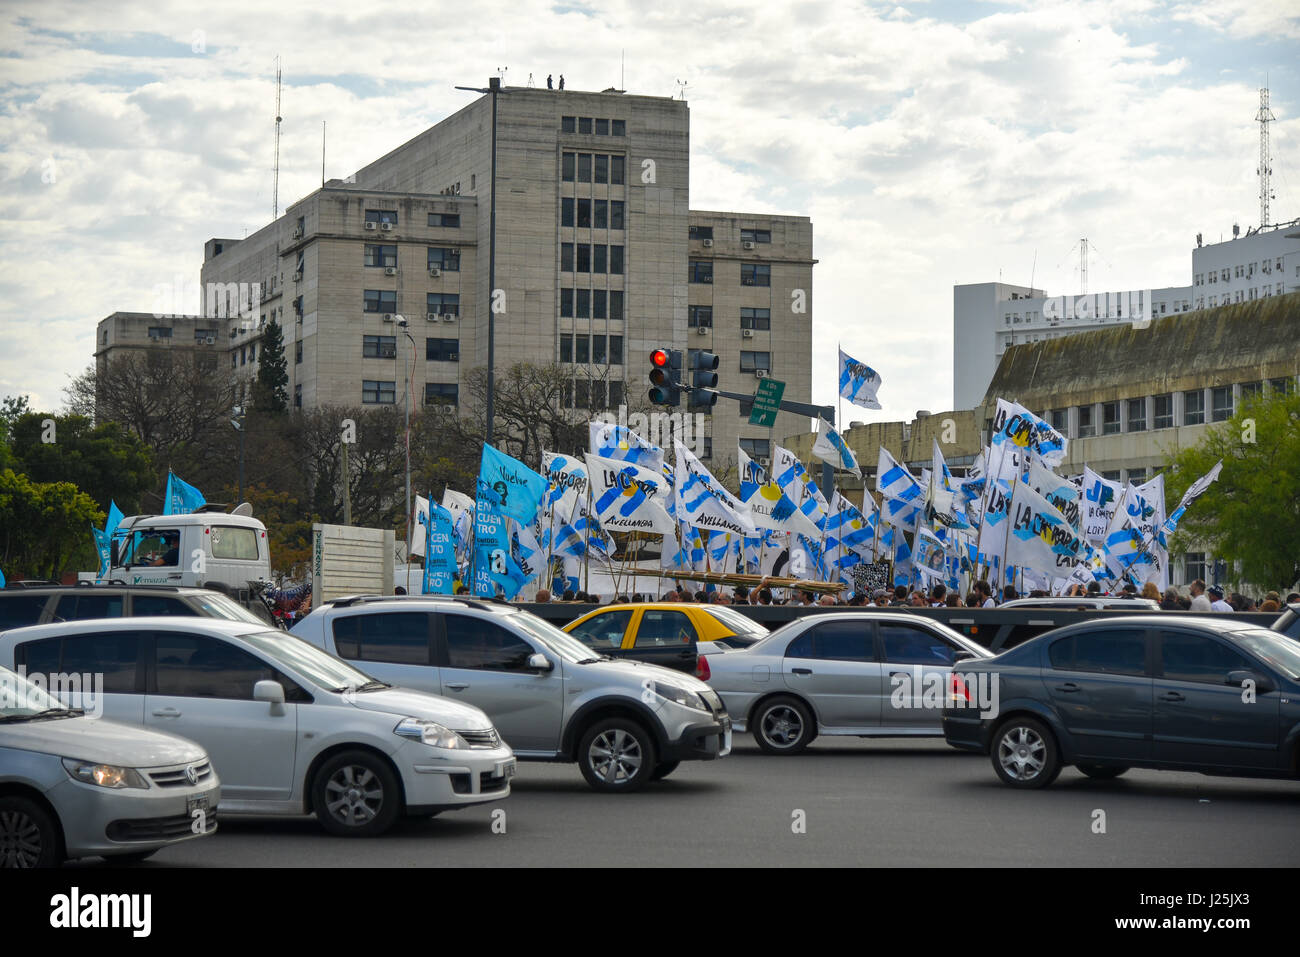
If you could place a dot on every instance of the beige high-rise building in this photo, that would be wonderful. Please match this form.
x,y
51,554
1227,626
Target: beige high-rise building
x,y
599,260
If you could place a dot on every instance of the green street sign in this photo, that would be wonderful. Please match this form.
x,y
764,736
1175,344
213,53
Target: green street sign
x,y
767,402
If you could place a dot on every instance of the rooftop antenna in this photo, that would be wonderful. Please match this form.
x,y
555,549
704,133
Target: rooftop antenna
x,y
322,152
275,189
622,59
1265,170
1083,267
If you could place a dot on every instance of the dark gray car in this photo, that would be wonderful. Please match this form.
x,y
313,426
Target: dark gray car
x,y
1193,694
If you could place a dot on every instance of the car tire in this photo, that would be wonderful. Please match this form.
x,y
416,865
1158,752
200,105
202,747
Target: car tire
x,y
663,769
29,837
1102,772
135,857
783,725
1025,754
356,794
617,755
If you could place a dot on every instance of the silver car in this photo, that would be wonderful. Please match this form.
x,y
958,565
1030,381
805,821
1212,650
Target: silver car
x,y
75,786
868,674
552,698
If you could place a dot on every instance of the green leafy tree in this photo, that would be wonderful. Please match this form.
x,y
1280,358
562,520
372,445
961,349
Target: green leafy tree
x,y
269,389
105,461
1250,517
45,527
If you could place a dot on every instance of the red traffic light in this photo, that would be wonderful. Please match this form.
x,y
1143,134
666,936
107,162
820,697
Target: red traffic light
x,y
659,357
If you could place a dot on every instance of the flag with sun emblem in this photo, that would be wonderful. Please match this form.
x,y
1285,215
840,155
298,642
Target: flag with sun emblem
x,y
627,497
770,507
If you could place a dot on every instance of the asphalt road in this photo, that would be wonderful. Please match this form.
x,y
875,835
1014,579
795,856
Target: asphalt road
x,y
886,803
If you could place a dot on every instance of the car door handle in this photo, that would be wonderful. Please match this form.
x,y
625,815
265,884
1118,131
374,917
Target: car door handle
x,y
166,713
1069,687
1171,696
801,671
458,685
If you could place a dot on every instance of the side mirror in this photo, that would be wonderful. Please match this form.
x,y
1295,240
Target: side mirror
x,y
539,662
1263,683
271,692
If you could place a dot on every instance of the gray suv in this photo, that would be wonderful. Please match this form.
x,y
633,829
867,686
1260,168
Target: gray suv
x,y
624,722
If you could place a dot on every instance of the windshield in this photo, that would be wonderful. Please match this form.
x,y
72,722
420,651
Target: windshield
x,y
1279,651
19,698
738,622
219,606
566,646
306,659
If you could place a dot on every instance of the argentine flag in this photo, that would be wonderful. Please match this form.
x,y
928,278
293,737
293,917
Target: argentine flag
x,y
831,448
858,382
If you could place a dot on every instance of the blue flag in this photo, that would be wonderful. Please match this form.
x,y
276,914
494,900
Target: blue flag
x,y
114,519
2,579
494,566
439,550
181,498
509,486
858,382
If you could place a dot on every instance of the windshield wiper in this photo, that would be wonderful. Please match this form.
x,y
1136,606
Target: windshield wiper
x,y
47,713
368,686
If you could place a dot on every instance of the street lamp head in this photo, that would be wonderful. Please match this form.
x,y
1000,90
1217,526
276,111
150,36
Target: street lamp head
x,y
401,321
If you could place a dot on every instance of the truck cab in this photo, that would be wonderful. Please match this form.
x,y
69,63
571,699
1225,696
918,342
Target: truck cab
x,y
200,549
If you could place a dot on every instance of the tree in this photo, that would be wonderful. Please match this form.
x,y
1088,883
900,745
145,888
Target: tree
x,y
269,393
105,461
45,527
1251,515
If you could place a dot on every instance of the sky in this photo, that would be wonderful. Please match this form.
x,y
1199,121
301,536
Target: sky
x,y
931,143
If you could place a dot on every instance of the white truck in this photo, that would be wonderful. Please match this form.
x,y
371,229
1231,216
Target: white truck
x,y
204,549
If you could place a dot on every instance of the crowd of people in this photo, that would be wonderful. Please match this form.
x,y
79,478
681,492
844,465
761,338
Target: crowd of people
x,y
982,595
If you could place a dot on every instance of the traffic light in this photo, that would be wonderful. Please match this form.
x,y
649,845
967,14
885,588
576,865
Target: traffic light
x,y
703,378
665,377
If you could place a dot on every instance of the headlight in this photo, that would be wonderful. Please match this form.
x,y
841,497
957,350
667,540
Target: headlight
x,y
430,732
687,699
104,775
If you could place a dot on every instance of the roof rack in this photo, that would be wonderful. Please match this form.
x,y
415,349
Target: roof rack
x,y
347,601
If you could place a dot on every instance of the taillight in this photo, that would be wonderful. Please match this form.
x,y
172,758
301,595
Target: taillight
x,y
957,689
702,668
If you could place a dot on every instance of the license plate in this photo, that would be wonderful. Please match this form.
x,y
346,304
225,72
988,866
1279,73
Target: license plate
x,y
202,802
506,769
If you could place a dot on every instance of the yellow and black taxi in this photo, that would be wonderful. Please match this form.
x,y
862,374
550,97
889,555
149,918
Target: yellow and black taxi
x,y
675,635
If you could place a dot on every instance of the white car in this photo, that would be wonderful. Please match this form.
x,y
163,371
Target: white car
x,y
72,786
290,729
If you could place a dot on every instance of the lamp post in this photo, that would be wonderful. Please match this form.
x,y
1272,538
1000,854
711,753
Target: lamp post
x,y
237,420
493,88
406,402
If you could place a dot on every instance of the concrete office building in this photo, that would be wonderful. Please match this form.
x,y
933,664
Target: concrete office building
x,y
599,260
989,318
1129,397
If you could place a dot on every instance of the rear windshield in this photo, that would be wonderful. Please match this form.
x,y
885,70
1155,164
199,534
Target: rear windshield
x,y
18,610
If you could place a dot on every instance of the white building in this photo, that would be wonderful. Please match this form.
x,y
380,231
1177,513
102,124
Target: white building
x,y
988,317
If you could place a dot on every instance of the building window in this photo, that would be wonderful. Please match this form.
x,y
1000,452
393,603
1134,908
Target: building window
x,y
380,300
1060,419
444,258
616,304
378,347
566,167
441,393
1164,411
1251,391
1137,415
602,127
756,235
297,352
566,347
701,232
619,128
760,319
382,216
566,257
582,305
566,211
616,170
378,393
1283,386
584,167
381,255
699,317
701,270
566,303
616,213
615,355
598,259
598,350
1110,424
443,303
584,214
601,168
445,220
1193,567
584,125
566,394
753,361
615,394
442,350
160,332
1087,427
582,348
582,394
598,304
1221,404
1111,476
757,448
708,448
755,274
568,124
1137,476
1193,407
297,396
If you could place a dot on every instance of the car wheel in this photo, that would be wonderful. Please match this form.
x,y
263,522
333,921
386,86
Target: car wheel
x,y
28,835
783,726
616,755
1025,754
663,769
356,794
1102,772
135,857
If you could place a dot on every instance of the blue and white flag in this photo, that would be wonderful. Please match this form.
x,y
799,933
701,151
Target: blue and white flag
x,y
929,555
627,497
1194,491
769,506
495,569
858,382
702,501
526,550
849,536
566,478
612,441
895,481
181,498
439,550
1016,428
512,489
1040,537
1100,498
103,547
1063,494
830,447
797,482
